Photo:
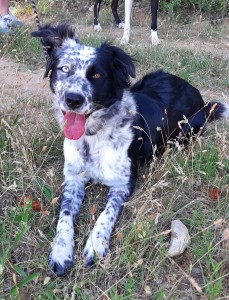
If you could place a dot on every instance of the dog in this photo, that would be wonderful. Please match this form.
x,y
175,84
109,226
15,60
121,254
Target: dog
x,y
114,9
126,34
110,128
126,25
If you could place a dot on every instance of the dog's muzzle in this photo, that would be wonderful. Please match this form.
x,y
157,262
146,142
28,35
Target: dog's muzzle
x,y
74,101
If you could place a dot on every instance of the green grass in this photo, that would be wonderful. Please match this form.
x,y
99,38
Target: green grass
x,y
21,47
137,266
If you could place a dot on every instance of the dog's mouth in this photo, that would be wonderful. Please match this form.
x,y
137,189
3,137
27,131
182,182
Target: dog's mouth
x,y
74,124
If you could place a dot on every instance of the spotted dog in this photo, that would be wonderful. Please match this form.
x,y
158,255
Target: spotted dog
x,y
109,127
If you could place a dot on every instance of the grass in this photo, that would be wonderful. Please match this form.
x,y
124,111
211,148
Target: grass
x,y
179,187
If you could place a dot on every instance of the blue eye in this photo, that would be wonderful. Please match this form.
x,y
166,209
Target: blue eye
x,y
65,69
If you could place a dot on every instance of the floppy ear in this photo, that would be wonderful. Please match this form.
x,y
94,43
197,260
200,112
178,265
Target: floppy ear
x,y
52,37
122,64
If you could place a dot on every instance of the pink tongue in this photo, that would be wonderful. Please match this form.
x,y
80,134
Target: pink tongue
x,y
74,125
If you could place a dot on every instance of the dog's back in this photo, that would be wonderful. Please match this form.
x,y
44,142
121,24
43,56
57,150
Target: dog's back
x,y
169,108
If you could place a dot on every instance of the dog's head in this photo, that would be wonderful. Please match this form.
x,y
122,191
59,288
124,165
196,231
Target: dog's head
x,y
83,78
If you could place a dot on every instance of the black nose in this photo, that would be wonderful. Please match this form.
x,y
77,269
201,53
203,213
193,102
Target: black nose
x,y
74,101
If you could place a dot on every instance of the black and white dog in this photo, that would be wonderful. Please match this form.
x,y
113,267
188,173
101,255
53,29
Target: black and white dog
x,y
109,128
128,8
114,9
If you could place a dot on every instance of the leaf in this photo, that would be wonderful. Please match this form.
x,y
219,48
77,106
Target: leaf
x,y
19,271
218,222
214,193
46,280
152,217
92,210
47,192
14,290
14,278
36,205
45,213
55,200
24,200
119,235
45,189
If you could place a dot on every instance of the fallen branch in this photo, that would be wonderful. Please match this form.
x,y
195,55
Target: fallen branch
x,y
190,279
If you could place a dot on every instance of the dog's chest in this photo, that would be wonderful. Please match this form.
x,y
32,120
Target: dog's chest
x,y
104,156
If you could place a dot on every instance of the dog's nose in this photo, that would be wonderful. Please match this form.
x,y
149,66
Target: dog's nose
x,y
74,101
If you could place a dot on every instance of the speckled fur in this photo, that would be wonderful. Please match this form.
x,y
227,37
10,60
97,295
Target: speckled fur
x,y
101,154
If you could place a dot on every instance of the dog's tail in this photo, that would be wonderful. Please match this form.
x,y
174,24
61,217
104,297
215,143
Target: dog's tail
x,y
216,110
211,111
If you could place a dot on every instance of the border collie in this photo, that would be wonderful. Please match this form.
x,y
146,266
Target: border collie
x,y
109,127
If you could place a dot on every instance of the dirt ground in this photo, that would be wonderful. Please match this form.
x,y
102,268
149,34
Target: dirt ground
x,y
18,79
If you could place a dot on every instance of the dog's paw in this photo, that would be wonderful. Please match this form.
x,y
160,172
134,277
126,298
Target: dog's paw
x,y
120,25
125,39
97,28
154,38
60,259
96,246
93,125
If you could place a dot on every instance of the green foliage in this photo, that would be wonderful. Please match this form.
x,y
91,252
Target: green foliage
x,y
176,6
205,163
22,47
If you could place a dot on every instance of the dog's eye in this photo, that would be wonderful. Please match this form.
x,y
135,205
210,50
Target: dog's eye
x,y
97,76
65,69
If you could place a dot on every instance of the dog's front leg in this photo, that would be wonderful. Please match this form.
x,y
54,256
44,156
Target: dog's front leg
x,y
98,242
61,257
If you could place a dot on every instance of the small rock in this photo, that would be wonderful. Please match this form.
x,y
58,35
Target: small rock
x,y
180,238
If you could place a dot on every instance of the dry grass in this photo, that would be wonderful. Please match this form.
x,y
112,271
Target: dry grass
x,y
177,186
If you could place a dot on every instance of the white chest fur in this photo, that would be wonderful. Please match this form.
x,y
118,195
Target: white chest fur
x,y
103,157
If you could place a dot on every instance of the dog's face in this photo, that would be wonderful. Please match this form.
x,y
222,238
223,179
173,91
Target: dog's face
x,y
84,79
71,79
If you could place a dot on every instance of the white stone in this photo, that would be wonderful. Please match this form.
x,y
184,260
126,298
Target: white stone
x,y
180,238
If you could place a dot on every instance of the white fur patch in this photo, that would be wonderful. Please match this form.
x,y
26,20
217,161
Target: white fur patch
x,y
154,38
97,28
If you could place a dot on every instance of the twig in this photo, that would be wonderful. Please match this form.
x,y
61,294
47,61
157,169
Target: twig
x,y
190,279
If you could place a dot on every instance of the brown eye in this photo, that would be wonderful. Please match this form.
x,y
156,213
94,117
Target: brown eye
x,y
97,76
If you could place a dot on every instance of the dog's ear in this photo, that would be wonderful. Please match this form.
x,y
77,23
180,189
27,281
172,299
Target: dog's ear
x,y
52,37
122,64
